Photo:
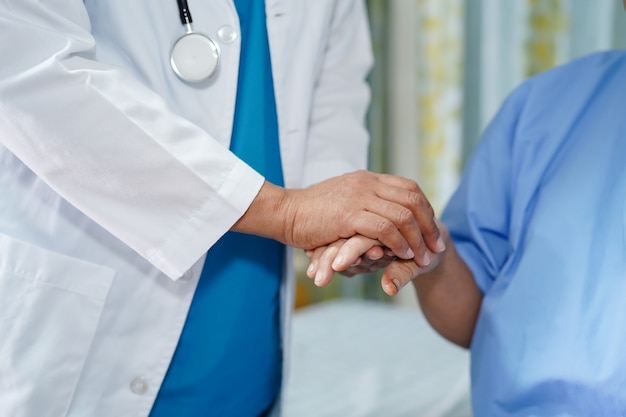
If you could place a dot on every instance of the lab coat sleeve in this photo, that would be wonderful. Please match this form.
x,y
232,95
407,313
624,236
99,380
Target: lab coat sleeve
x,y
108,144
338,139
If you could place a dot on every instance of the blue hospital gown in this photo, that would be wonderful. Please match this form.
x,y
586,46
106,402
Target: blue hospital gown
x,y
539,217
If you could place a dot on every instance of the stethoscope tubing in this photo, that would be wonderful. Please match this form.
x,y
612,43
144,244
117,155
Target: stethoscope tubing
x,y
194,56
184,13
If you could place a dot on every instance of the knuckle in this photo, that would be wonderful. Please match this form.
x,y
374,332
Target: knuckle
x,y
405,217
354,179
424,207
413,186
385,227
407,270
416,199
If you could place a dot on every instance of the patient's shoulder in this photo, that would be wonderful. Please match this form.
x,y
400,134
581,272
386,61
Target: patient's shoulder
x,y
586,73
563,91
596,60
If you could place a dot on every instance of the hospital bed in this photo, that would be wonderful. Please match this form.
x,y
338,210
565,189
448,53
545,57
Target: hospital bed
x,y
354,358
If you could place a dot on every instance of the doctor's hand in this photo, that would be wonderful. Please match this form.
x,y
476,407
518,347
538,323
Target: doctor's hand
x,y
389,209
347,257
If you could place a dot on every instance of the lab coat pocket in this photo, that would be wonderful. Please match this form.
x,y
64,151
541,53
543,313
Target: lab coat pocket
x,y
50,305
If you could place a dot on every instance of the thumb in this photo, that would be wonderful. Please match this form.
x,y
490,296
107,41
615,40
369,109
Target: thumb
x,y
399,273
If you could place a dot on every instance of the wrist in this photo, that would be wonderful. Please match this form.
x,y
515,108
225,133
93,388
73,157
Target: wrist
x,y
268,215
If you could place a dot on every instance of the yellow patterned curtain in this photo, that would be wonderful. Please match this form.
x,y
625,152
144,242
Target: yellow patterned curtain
x,y
548,24
438,69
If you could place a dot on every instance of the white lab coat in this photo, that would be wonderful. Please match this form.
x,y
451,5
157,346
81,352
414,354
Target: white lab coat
x,y
115,179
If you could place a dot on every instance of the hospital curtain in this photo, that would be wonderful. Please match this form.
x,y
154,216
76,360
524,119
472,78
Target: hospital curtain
x,y
508,41
443,68
425,94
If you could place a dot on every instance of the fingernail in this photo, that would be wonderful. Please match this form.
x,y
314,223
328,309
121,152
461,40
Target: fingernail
x,y
440,246
311,269
318,278
397,284
426,259
338,262
410,254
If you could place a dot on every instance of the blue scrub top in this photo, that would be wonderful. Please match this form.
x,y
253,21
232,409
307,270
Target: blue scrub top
x,y
228,360
540,218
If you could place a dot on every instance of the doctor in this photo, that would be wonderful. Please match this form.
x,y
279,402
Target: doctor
x,y
135,137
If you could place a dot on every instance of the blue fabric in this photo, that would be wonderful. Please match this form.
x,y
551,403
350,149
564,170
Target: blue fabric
x,y
540,218
228,360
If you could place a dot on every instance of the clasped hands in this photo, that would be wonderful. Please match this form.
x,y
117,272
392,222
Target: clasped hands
x,y
384,217
361,254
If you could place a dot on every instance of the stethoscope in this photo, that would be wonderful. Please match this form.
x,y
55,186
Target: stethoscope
x,y
194,56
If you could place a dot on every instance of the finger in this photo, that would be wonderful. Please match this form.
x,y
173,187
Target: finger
x,y
358,262
441,246
325,271
398,274
399,181
354,270
415,198
365,268
374,253
414,217
379,264
404,222
381,228
351,251
314,257
368,265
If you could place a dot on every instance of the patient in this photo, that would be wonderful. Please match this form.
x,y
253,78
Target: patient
x,y
533,279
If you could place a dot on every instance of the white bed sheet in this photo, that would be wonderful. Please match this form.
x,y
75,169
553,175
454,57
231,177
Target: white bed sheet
x,y
353,358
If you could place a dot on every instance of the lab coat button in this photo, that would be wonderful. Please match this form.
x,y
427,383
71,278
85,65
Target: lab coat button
x,y
139,386
227,34
186,276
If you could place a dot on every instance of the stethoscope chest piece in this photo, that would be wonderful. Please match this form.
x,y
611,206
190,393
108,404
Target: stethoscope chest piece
x,y
194,57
